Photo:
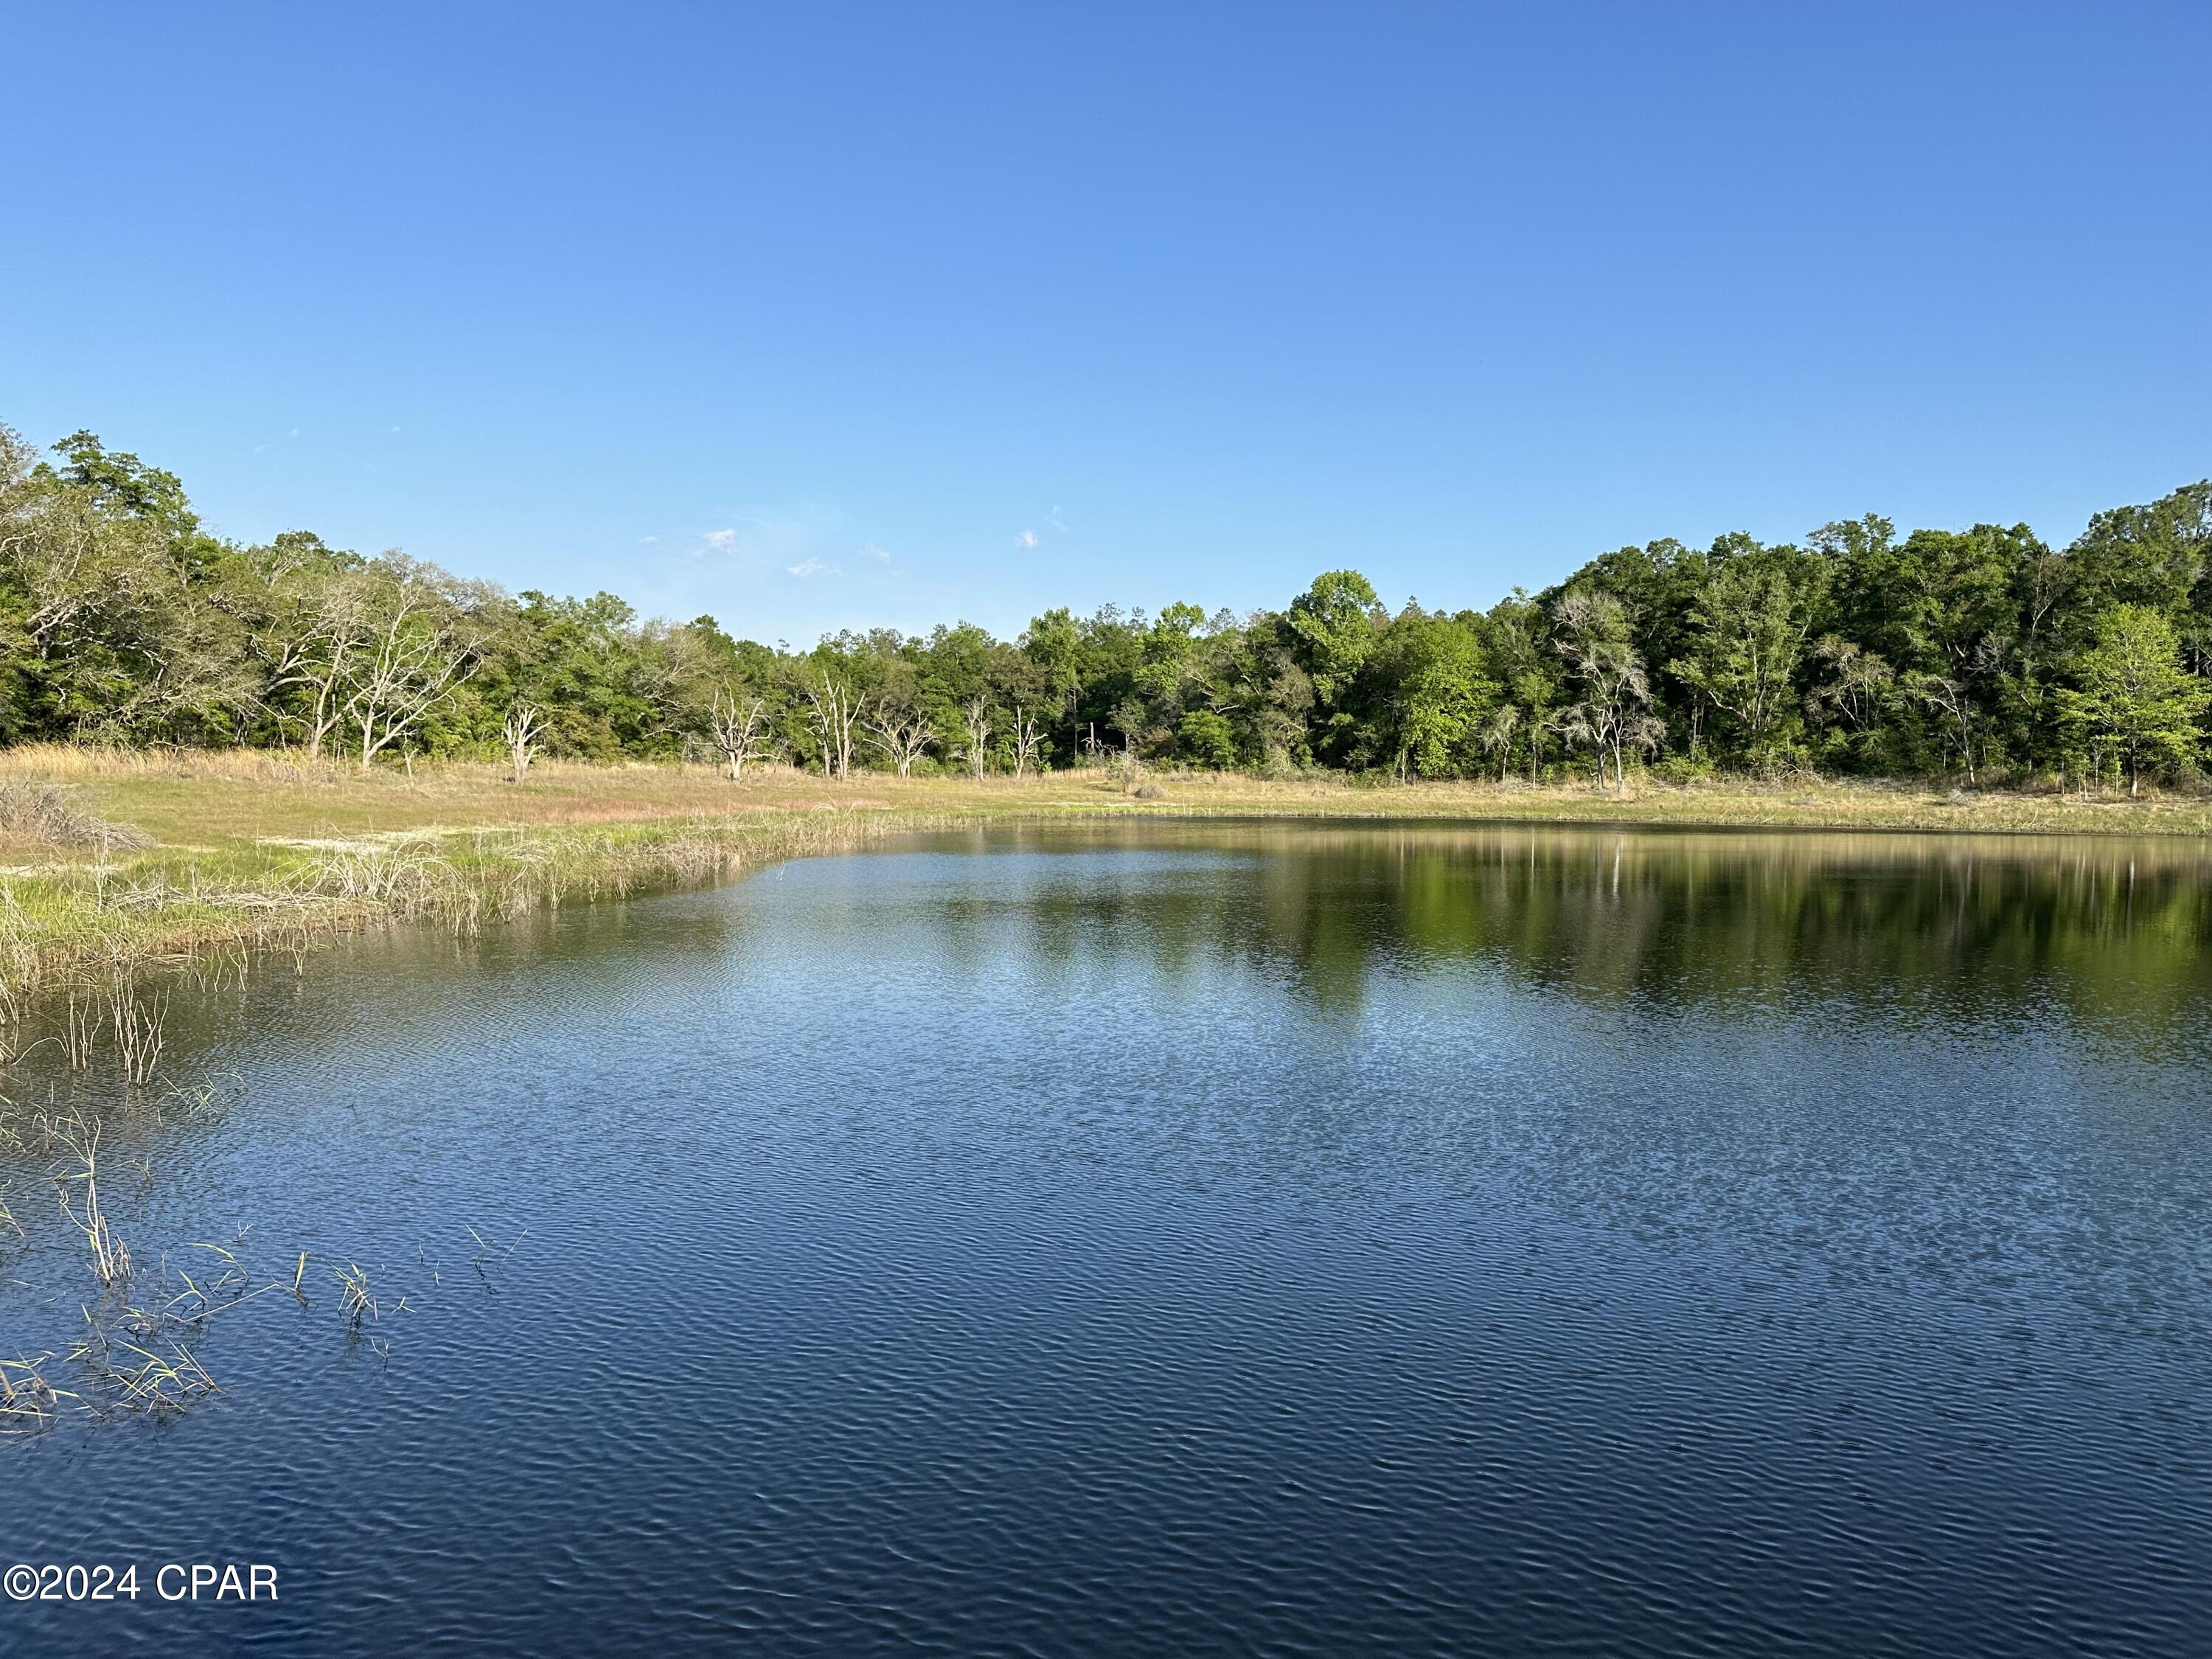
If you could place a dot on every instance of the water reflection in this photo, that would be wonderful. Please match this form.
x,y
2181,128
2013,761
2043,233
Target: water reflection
x,y
2118,933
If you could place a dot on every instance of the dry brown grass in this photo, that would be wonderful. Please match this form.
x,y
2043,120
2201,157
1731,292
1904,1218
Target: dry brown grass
x,y
39,812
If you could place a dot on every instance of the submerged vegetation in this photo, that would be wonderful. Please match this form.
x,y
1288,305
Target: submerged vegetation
x,y
142,1321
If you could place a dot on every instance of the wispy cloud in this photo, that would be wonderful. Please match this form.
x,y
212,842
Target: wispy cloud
x,y
880,554
647,541
807,568
720,540
1054,518
1027,539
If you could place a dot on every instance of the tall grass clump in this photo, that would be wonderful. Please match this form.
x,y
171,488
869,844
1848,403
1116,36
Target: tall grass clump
x,y
33,811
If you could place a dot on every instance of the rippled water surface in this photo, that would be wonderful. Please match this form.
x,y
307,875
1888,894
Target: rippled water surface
x,y
1199,1239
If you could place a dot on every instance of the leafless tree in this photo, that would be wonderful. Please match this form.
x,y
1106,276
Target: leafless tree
x,y
667,676
1861,678
424,646
311,618
738,725
1950,698
1028,739
1616,691
902,734
976,721
525,730
834,708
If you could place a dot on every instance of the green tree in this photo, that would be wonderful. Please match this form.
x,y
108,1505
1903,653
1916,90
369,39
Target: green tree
x,y
1432,688
1334,624
1207,738
1748,628
2131,693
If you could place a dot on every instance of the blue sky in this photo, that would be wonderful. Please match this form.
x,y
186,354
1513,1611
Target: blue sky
x,y
812,316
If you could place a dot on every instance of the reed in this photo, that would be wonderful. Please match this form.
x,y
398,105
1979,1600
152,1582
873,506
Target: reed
x,y
79,1187
29,1403
81,1018
138,1019
134,1379
356,1298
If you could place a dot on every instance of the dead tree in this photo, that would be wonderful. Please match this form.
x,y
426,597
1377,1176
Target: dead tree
x,y
737,727
834,708
902,733
976,721
525,730
1028,738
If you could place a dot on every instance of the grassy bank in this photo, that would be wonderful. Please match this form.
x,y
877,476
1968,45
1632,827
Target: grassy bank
x,y
111,860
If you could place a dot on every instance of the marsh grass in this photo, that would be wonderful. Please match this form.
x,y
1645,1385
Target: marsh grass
x,y
38,811
356,1296
78,1183
29,1404
141,1349
134,1379
81,1016
137,1017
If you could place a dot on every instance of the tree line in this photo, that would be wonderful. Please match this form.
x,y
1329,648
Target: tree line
x,y
1984,654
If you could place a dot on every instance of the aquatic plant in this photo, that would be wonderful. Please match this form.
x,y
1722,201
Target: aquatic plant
x,y
136,1019
111,1259
29,1403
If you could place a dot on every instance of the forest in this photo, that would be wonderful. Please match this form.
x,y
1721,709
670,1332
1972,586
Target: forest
x,y
1983,655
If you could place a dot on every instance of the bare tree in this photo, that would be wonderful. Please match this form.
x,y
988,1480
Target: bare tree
x,y
976,721
1616,691
525,730
311,617
834,708
424,646
738,726
902,734
1951,699
666,676
1028,739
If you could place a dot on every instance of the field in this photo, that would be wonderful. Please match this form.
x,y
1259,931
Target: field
x,y
111,859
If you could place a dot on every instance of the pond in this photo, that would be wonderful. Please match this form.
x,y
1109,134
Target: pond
x,y
1181,1238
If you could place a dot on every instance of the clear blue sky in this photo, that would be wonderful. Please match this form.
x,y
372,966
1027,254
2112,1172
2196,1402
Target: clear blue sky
x,y
811,315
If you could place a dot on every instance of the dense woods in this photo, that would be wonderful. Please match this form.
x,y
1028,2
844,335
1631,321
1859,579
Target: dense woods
x,y
1983,654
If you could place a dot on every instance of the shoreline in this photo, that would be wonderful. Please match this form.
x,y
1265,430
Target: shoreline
x,y
226,856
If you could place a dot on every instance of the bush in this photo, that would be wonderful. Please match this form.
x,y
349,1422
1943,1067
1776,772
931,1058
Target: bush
x,y
1207,738
44,812
1680,770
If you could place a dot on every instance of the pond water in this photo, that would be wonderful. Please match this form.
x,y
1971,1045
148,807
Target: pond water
x,y
1200,1238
